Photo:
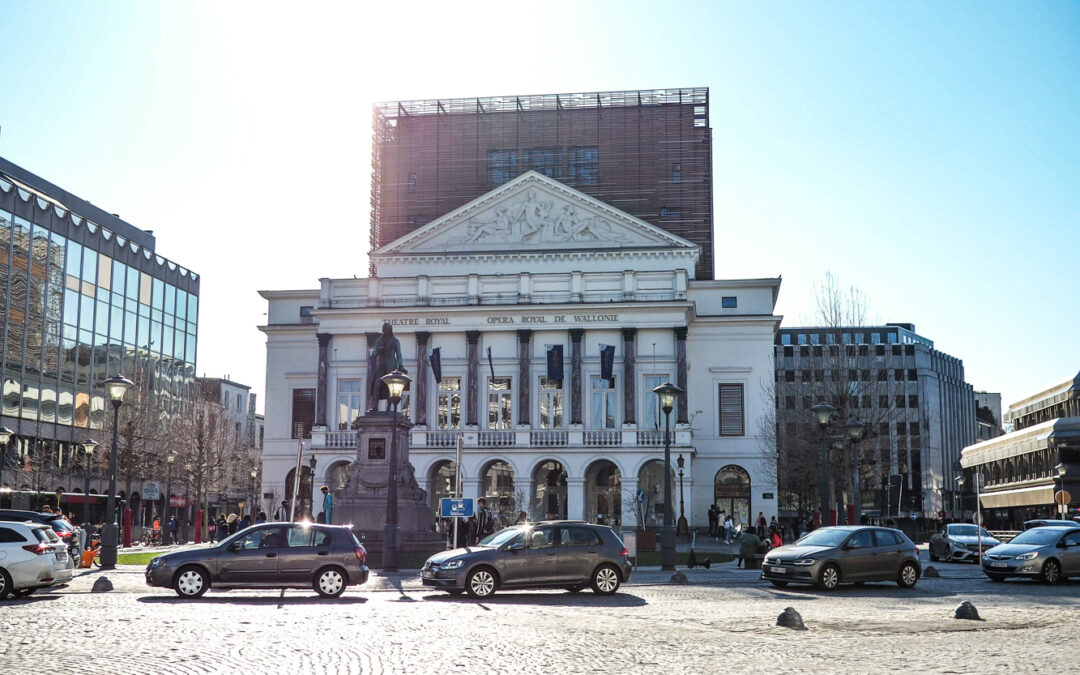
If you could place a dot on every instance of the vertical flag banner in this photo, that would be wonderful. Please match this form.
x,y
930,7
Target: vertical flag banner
x,y
491,366
435,359
607,361
555,362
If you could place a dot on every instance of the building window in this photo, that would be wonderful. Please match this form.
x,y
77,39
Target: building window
x,y
901,402
667,213
913,401
547,161
913,374
500,403
348,401
875,338
502,166
551,404
603,402
653,417
883,402
789,402
899,374
305,311
785,339
731,410
584,165
731,302
802,338
303,412
676,172
449,403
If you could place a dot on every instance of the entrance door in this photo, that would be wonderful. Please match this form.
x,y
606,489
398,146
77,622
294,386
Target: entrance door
x,y
731,493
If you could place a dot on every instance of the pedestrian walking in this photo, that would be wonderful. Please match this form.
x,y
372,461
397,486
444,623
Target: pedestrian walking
x,y
173,527
775,541
282,512
748,545
482,524
327,504
727,528
233,522
761,523
222,527
713,518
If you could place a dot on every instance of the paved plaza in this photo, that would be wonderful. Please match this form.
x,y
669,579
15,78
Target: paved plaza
x,y
722,621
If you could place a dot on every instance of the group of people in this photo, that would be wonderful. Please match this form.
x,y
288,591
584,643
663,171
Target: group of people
x,y
482,524
720,524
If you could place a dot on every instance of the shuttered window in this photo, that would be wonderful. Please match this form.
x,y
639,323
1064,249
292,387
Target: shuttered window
x,y
303,412
731,410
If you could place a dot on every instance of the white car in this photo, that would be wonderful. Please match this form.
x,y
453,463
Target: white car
x,y
31,557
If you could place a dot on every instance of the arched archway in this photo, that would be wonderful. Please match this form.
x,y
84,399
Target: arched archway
x,y
651,483
497,486
731,493
337,476
442,482
603,493
549,491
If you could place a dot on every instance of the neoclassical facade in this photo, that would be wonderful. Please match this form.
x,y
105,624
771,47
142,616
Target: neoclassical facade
x,y
531,269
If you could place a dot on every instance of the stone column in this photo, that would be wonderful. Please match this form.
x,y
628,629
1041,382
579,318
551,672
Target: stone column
x,y
575,498
472,387
629,336
680,374
320,386
419,401
575,374
524,342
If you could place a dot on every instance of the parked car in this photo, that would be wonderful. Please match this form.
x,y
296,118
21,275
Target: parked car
x,y
1046,522
1048,553
552,554
829,556
67,532
31,557
326,558
960,541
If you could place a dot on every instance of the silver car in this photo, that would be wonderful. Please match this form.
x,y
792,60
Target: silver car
x,y
960,541
326,558
1048,553
829,556
551,554
32,556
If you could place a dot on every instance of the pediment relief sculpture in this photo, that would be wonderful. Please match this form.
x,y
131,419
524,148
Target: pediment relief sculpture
x,y
536,219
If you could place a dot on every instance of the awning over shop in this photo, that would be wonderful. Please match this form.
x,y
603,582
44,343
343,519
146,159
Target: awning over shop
x,y
1028,496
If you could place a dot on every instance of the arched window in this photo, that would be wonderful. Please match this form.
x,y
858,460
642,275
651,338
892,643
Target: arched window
x,y
603,493
651,483
442,482
549,491
497,485
731,493
337,476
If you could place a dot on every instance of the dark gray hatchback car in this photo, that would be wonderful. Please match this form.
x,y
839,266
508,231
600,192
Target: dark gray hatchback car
x,y
326,558
553,554
829,556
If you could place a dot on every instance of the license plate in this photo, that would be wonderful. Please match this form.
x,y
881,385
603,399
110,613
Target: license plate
x,y
778,570
427,574
999,564
60,555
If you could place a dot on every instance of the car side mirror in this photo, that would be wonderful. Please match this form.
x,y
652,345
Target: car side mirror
x,y
516,546
234,547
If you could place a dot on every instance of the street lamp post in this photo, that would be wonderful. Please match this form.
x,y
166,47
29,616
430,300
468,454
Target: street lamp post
x,y
254,475
5,436
312,463
116,386
89,445
186,517
824,413
683,528
1061,506
853,429
165,501
667,393
395,383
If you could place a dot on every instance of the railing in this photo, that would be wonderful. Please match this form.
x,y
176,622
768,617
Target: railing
x,y
340,439
549,438
495,439
650,437
603,438
442,438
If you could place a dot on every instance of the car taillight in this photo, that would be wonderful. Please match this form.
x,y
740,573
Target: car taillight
x,y
625,552
38,549
361,554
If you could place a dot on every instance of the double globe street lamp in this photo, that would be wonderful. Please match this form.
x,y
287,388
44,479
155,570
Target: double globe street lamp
x,y
89,445
824,413
116,386
395,383
667,393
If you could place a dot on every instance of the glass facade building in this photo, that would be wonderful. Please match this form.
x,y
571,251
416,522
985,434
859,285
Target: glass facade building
x,y
83,296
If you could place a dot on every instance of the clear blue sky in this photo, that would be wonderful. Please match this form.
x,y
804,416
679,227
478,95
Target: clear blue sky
x,y
927,153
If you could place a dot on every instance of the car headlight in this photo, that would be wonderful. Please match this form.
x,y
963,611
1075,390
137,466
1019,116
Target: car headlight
x,y
1028,556
452,565
803,561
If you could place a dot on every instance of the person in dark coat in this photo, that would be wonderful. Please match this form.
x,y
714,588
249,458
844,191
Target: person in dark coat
x,y
748,545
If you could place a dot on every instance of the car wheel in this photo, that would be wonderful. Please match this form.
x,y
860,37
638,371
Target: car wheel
x,y
5,583
778,584
191,582
829,578
481,582
329,582
909,575
996,577
1051,572
605,580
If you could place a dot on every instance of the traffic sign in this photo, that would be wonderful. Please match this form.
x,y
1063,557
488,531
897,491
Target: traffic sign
x,y
640,496
456,508
1062,497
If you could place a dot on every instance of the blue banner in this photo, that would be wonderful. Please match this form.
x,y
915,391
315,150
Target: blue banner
x,y
490,364
607,362
435,358
555,362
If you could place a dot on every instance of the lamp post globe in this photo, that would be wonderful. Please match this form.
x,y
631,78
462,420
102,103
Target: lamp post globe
x,y
116,386
395,382
1061,507
667,393
254,475
89,445
823,412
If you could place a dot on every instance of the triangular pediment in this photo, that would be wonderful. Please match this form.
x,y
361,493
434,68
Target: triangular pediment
x,y
533,214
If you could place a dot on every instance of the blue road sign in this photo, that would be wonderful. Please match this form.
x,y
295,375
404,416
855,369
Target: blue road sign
x,y
456,508
640,496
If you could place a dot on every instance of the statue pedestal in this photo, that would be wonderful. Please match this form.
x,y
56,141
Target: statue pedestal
x,y
362,502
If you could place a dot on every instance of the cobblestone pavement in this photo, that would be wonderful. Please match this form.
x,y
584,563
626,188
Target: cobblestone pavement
x,y
723,621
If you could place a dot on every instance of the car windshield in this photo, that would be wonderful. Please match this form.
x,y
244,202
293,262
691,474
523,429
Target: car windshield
x,y
501,537
824,537
966,531
1040,536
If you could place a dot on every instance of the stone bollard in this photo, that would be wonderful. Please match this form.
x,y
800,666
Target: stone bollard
x,y
789,618
966,610
102,585
930,572
679,578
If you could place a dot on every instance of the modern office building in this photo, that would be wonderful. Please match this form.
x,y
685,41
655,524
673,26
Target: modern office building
x,y
84,295
988,415
1020,472
646,153
918,412
521,265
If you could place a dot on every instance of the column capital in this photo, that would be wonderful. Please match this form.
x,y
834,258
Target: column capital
x,y
680,332
472,336
628,334
422,337
524,335
576,334
323,338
